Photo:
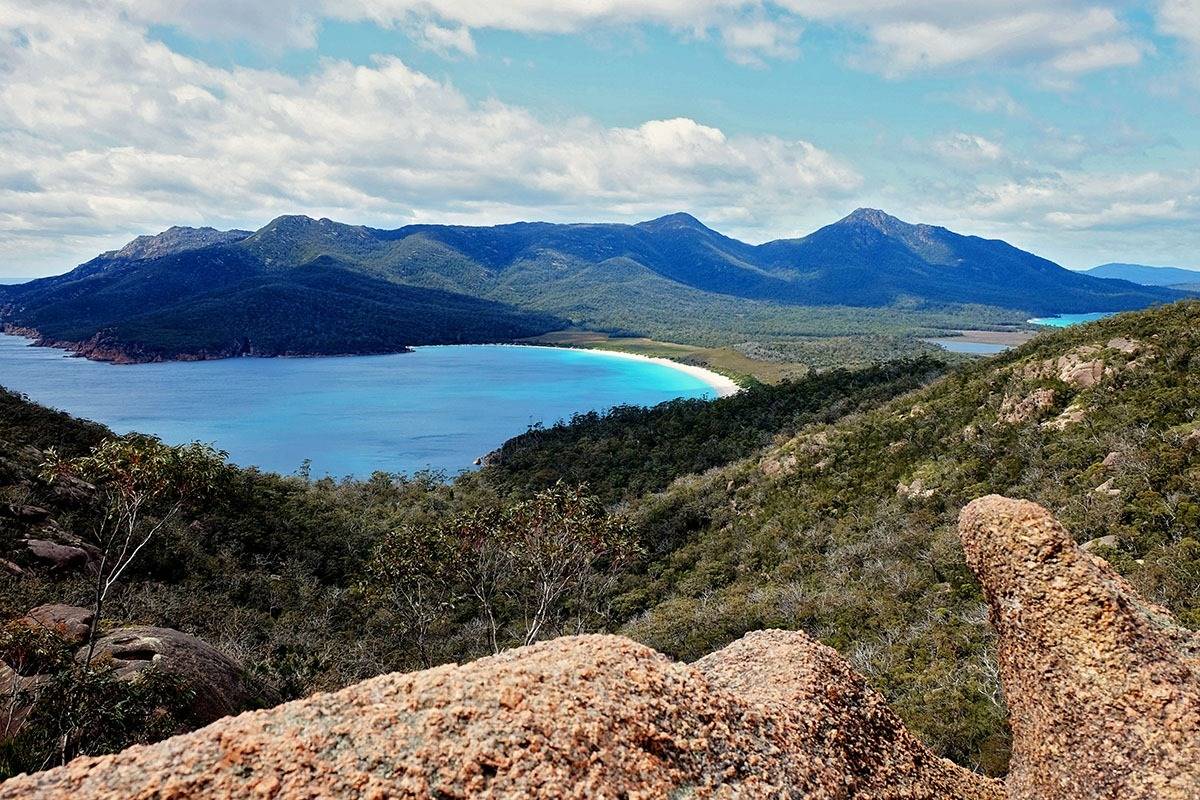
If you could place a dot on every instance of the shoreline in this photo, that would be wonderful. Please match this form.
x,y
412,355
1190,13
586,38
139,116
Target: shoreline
x,y
720,384
723,386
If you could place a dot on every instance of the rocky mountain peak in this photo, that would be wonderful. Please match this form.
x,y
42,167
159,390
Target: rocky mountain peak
x,y
678,220
176,239
878,219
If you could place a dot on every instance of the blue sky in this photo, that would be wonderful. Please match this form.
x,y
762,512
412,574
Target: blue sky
x,y
1070,127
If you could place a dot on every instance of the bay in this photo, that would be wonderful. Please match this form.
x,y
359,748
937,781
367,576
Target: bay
x,y
436,408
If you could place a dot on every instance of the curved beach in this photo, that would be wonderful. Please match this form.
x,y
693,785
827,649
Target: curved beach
x,y
723,386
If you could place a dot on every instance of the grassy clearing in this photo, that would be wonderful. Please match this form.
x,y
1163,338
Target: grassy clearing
x,y
754,362
723,360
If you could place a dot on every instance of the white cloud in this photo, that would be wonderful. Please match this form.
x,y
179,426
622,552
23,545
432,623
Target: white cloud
x,y
987,101
1065,39
968,148
1065,36
445,40
1102,55
753,40
1088,201
116,134
285,23
1180,18
1118,214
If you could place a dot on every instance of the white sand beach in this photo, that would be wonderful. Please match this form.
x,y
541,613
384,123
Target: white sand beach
x,y
723,386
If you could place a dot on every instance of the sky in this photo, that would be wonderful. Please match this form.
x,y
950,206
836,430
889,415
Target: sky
x,y
1067,127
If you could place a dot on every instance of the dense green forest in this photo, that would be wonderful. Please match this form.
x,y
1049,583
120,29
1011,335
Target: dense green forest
x,y
628,451
320,308
835,514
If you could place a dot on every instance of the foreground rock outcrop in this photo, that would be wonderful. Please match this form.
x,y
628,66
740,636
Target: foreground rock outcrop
x,y
775,714
1103,688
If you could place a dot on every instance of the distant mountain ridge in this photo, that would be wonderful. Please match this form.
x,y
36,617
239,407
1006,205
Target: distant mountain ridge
x,y
300,285
175,239
1146,276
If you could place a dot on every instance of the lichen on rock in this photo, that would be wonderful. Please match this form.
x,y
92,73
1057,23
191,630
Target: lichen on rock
x,y
773,715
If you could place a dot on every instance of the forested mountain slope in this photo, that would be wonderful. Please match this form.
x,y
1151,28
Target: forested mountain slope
x,y
627,451
847,530
301,285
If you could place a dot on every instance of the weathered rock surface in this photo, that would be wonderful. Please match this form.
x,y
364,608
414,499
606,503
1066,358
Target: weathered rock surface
x,y
915,489
1110,541
1015,409
69,623
216,685
1103,688
24,513
14,705
57,556
220,686
848,729
775,715
1071,415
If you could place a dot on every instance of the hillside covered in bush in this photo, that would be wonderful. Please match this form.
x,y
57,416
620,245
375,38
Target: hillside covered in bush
x,y
629,450
834,513
847,529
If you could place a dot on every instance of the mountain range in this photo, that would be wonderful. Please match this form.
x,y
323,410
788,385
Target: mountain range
x,y
1147,276
305,286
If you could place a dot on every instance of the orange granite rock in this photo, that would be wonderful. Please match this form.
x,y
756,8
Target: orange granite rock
x,y
1102,686
774,715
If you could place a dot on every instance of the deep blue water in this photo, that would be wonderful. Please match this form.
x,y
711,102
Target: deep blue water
x,y
957,345
1067,320
439,407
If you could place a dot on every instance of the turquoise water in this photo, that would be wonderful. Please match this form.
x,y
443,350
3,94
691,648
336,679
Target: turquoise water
x,y
439,407
1067,320
956,345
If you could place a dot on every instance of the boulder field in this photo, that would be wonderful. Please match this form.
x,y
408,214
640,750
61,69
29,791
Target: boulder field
x,y
1102,687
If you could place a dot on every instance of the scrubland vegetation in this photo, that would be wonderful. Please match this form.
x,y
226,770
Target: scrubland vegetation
x,y
826,503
